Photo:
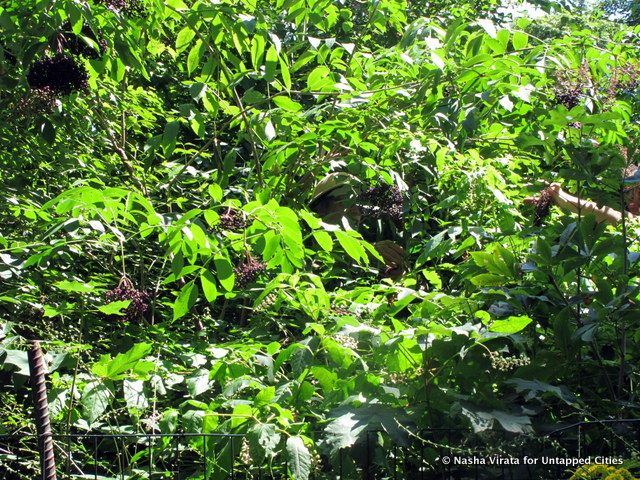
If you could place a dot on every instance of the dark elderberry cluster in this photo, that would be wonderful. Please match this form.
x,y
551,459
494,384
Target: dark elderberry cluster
x,y
61,74
543,206
248,271
232,220
35,102
382,201
77,46
126,291
571,85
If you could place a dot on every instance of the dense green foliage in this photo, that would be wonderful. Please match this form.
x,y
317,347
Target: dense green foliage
x,y
303,220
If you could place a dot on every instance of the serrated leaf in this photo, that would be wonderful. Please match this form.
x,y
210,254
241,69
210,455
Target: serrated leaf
x,y
224,272
299,458
264,397
287,104
74,286
352,246
126,361
198,382
319,78
209,288
263,441
324,240
95,400
194,57
184,38
134,394
186,299
115,308
510,325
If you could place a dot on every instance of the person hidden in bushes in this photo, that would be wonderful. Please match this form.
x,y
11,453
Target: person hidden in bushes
x,y
555,195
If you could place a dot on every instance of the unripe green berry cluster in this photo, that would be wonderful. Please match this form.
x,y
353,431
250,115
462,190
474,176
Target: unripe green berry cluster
x,y
504,364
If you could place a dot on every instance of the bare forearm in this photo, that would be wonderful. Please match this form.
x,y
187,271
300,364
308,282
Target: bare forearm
x,y
584,207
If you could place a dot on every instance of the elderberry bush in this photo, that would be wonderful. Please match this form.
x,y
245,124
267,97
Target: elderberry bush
x,y
35,102
248,271
232,220
382,201
61,74
126,291
543,206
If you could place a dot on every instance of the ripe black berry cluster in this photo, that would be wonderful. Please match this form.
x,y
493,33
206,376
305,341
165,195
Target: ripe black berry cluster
x,y
571,86
232,220
248,271
36,102
543,206
382,201
77,46
505,364
61,74
126,291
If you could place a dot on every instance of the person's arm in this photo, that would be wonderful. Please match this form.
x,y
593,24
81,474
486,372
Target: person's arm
x,y
578,205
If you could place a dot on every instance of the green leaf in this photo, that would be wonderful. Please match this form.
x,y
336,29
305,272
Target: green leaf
x,y
352,246
134,394
186,299
287,104
126,361
264,397
298,458
520,40
263,441
285,74
178,5
482,420
271,62
319,79
209,288
488,280
198,382
95,400
324,240
510,325
184,38
215,191
67,286
535,389
224,271
16,361
115,308
258,44
194,57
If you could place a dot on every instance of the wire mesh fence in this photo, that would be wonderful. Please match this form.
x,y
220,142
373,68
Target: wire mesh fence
x,y
444,453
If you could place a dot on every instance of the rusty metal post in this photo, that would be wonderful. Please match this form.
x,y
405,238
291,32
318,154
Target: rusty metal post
x,y
41,411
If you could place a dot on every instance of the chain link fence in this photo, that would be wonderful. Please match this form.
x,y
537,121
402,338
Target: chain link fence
x,y
443,453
